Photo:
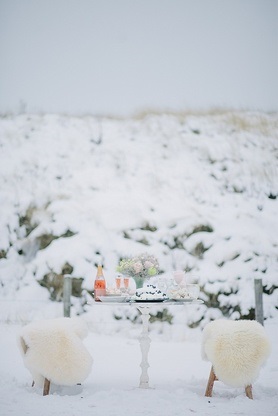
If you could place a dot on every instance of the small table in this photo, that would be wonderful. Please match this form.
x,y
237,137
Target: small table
x,y
145,340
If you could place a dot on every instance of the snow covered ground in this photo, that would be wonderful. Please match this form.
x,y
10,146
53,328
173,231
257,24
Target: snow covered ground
x,y
178,378
197,191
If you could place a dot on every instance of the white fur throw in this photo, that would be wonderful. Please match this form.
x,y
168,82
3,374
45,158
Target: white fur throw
x,y
53,349
236,349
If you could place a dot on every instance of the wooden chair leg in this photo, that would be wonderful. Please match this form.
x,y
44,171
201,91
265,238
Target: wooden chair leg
x,y
46,387
248,391
211,380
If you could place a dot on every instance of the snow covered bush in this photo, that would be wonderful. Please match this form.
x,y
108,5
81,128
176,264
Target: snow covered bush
x,y
197,191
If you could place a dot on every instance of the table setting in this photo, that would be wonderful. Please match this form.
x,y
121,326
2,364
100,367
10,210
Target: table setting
x,y
176,291
139,285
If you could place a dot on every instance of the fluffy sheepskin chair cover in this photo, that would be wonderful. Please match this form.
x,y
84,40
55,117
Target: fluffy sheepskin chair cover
x,y
53,350
236,349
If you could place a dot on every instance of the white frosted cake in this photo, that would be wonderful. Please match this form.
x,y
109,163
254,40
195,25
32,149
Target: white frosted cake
x,y
149,292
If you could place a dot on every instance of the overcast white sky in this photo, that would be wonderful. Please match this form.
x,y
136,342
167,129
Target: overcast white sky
x,y
122,56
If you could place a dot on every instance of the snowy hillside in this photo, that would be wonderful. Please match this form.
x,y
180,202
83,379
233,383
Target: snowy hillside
x,y
198,191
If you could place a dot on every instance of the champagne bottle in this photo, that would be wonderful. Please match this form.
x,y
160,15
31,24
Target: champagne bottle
x,y
100,284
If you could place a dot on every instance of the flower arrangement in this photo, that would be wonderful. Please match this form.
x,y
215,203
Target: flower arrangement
x,y
139,267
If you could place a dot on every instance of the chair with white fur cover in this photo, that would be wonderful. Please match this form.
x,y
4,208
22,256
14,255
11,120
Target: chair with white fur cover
x,y
237,350
53,352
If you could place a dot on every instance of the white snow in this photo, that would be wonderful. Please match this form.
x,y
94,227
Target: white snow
x,y
178,378
108,180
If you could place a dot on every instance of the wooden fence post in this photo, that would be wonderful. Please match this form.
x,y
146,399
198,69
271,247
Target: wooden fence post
x,y
67,294
259,313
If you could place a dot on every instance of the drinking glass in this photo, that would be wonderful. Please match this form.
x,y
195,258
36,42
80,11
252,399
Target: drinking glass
x,y
126,283
193,290
118,282
179,276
